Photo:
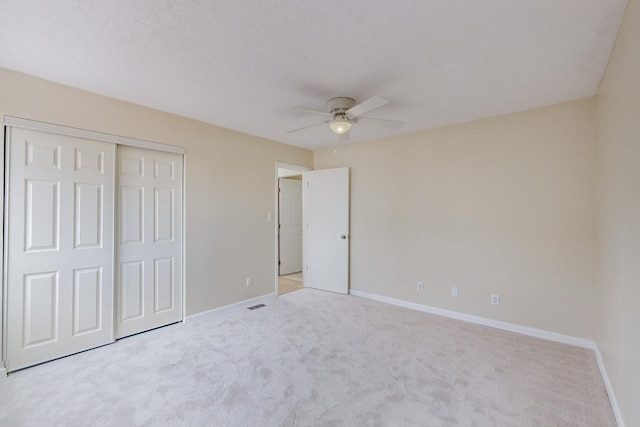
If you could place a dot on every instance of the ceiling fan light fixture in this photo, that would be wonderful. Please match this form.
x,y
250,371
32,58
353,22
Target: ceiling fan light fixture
x,y
340,125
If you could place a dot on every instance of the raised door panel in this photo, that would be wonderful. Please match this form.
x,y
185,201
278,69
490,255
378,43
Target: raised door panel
x,y
42,212
88,216
132,290
164,209
40,308
87,300
131,164
41,153
89,160
164,285
131,214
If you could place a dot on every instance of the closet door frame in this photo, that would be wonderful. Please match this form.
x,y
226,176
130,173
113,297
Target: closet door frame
x,y
9,122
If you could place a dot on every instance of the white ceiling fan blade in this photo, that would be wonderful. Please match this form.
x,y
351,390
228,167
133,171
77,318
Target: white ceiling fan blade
x,y
392,124
368,105
308,126
309,110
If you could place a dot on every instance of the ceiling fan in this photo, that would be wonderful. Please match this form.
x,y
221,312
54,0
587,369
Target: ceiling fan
x,y
342,112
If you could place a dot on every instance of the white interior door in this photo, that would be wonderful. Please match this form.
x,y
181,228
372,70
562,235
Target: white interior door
x,y
290,233
149,229
60,246
326,198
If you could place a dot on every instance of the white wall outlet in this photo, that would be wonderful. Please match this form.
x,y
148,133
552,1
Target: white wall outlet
x,y
420,286
454,292
495,299
269,217
249,281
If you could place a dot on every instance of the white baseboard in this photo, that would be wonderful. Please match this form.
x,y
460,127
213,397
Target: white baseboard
x,y
609,387
263,299
511,327
3,373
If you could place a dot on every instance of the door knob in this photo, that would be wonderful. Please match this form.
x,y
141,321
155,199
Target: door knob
x,y
343,237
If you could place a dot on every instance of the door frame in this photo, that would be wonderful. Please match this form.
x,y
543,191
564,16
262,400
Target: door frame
x,y
9,122
276,216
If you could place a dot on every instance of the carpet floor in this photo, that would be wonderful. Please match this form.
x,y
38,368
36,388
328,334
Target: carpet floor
x,y
312,358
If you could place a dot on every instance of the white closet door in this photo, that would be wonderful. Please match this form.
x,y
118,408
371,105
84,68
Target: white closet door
x,y
149,229
60,246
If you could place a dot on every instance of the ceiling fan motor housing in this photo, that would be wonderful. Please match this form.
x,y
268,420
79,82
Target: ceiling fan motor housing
x,y
338,106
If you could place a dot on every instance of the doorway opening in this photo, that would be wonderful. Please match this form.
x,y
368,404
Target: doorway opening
x,y
289,220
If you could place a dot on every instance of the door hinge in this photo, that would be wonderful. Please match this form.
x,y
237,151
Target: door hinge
x,y
279,262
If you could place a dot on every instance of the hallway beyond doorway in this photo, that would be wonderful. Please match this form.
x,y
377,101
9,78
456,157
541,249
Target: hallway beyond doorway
x,y
289,283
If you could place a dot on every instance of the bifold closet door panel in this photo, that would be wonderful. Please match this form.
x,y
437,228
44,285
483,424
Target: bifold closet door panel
x,y
59,274
149,240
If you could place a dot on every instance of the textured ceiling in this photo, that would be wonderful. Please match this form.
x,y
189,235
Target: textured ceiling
x,y
243,64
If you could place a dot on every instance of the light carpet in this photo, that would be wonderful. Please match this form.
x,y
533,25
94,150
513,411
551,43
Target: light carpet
x,y
313,358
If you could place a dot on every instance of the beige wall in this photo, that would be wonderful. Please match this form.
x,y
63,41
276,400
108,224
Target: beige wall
x,y
504,205
618,197
230,182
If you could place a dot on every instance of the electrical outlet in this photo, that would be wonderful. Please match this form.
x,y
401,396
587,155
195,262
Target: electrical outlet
x,y
495,299
420,286
454,292
249,281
